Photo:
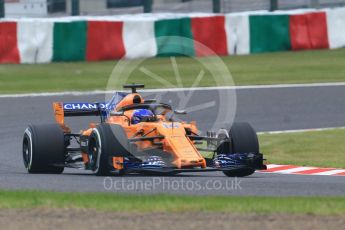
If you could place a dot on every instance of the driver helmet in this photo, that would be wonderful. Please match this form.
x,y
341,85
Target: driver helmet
x,y
141,114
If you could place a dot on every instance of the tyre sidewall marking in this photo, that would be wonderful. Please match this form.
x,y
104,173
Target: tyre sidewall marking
x,y
29,134
99,149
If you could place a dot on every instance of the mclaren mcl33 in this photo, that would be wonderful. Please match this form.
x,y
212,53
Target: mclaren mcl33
x,y
137,136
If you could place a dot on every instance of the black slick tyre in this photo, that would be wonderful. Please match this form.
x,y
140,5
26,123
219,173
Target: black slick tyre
x,y
44,149
106,141
243,140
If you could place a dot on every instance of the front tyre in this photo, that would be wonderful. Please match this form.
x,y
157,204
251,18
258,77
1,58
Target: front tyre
x,y
243,140
106,141
44,149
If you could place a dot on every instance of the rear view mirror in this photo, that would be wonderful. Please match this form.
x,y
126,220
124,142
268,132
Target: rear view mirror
x,y
117,113
180,112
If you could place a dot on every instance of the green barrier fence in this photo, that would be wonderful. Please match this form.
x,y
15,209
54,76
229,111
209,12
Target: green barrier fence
x,y
169,41
69,41
269,33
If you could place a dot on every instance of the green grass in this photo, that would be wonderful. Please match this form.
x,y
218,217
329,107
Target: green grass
x,y
270,68
314,148
173,203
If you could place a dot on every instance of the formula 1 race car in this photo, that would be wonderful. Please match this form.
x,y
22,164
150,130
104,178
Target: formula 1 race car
x,y
137,136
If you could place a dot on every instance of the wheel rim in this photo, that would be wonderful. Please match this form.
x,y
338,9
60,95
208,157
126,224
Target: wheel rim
x,y
94,149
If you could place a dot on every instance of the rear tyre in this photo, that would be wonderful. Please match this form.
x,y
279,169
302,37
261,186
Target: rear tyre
x,y
107,141
44,149
243,140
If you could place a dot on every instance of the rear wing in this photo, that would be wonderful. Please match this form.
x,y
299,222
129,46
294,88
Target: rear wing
x,y
78,109
62,110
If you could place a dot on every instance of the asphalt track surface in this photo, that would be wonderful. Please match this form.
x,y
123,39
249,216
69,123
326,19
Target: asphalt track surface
x,y
267,109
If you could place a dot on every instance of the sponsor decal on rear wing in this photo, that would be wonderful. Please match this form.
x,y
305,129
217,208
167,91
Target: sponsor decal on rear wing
x,y
84,106
84,109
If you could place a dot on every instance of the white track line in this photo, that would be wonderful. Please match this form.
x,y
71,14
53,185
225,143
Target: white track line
x,y
299,130
96,92
331,172
71,93
288,85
